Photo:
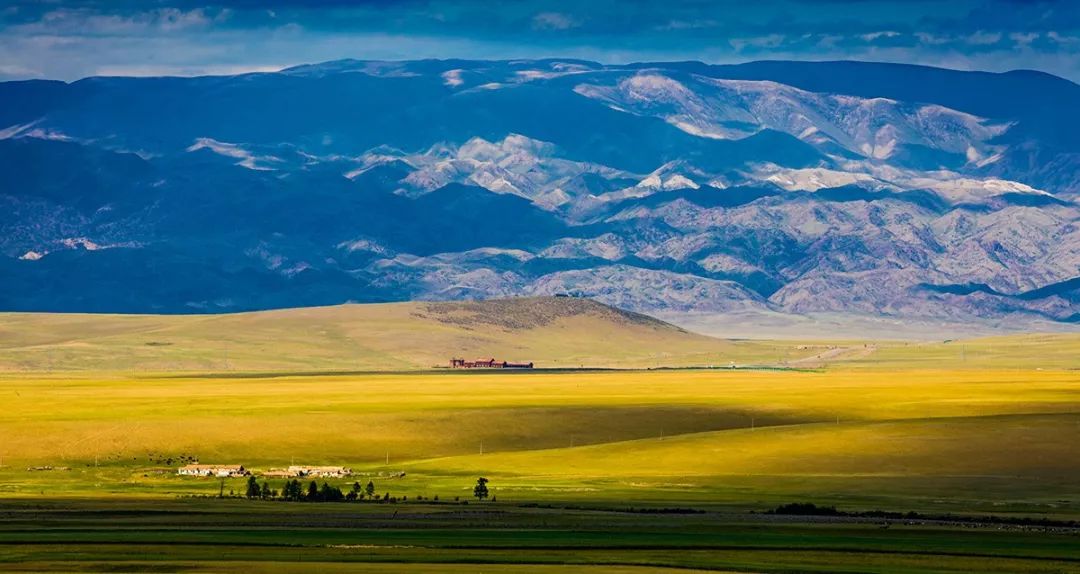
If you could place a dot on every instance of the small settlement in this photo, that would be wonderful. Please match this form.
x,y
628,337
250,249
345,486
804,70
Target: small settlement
x,y
319,471
294,471
487,364
221,470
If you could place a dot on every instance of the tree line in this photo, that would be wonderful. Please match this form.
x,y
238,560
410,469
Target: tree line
x,y
294,491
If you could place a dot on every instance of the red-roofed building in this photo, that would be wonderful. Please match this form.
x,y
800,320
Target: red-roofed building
x,y
491,363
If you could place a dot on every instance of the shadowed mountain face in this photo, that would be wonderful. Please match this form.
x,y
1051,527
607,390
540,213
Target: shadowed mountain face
x,y
793,187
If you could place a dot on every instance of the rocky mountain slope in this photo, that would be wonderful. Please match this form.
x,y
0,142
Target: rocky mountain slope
x,y
846,187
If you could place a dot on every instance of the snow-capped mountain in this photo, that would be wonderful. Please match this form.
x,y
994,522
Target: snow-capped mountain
x,y
773,186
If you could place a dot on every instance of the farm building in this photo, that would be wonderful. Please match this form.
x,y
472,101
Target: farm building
x,y
320,471
221,470
487,364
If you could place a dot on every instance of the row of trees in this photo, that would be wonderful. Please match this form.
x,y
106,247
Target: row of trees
x,y
294,491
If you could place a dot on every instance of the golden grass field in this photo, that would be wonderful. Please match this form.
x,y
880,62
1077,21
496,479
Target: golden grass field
x,y
552,332
989,424
989,440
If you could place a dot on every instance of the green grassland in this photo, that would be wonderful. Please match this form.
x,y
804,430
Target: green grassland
x,y
213,535
111,404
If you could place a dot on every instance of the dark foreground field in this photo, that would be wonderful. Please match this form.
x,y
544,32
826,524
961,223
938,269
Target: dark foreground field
x,y
236,536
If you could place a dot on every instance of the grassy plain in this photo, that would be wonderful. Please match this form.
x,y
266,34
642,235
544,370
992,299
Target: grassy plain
x,y
975,427
916,440
551,332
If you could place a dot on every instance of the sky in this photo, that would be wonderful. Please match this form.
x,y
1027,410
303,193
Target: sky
x,y
72,39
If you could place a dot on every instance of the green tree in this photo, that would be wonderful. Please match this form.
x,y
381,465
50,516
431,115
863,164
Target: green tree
x,y
292,491
265,491
330,494
313,491
370,489
480,491
253,488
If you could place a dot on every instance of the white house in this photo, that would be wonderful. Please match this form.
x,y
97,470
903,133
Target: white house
x,y
221,470
320,471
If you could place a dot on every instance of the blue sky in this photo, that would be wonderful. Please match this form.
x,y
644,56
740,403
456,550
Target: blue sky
x,y
71,39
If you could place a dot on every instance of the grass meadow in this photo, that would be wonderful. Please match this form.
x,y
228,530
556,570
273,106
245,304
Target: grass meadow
x,y
917,440
973,428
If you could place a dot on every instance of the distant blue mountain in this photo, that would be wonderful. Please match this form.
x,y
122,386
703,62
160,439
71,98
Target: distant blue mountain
x,y
782,186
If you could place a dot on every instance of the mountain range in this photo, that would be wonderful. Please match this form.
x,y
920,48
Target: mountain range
x,y
791,187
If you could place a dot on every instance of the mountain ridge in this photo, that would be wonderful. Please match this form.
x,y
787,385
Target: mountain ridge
x,y
767,186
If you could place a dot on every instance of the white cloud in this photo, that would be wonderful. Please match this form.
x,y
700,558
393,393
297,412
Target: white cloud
x,y
982,38
1023,39
829,40
688,25
769,41
882,34
554,21
85,22
18,71
931,39
1063,38
153,71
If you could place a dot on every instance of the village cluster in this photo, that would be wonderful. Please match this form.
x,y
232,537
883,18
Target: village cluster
x,y
294,491
235,470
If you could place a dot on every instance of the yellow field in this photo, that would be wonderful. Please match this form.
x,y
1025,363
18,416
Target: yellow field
x,y
1036,351
975,439
423,415
112,403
